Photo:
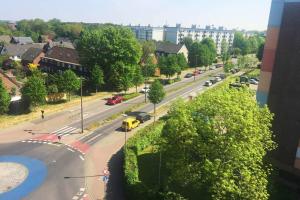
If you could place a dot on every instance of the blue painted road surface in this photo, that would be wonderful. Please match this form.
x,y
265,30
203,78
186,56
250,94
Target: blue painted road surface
x,y
37,173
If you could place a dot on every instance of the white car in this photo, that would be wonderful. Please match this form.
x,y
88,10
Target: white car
x,y
218,79
253,81
208,83
145,90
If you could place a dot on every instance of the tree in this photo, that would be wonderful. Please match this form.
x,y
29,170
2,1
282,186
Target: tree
x,y
194,54
224,51
156,94
217,144
169,65
138,78
4,99
69,82
228,66
181,61
149,67
260,52
106,46
97,79
188,42
34,91
212,50
241,43
148,49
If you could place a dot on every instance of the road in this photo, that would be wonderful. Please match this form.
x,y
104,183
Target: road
x,y
64,161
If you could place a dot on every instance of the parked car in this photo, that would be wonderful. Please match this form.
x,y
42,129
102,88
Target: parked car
x,y
142,117
219,65
244,79
218,79
208,83
130,123
222,76
212,67
114,100
253,81
145,90
213,81
188,75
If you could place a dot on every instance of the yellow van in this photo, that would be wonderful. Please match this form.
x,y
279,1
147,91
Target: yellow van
x,y
130,123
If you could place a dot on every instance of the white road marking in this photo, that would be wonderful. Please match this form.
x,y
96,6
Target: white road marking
x,y
81,157
70,149
23,141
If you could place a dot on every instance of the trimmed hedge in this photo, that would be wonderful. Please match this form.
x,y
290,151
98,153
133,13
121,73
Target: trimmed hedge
x,y
145,137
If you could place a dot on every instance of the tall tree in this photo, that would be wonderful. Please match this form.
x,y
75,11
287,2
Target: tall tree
x,y
156,94
137,78
194,54
169,65
148,49
188,42
122,75
4,98
106,46
241,43
211,48
260,52
149,67
34,91
181,61
224,51
217,145
97,79
69,82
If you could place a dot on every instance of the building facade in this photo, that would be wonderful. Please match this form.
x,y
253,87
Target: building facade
x,y
280,80
148,32
177,34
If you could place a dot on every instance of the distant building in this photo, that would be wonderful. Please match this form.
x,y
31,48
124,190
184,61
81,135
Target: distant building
x,y
280,80
59,59
16,51
167,48
148,32
178,33
21,40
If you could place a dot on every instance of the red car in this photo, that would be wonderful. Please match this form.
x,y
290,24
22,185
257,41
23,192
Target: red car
x,y
114,100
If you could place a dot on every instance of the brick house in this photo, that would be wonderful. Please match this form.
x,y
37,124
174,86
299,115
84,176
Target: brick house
x,y
32,55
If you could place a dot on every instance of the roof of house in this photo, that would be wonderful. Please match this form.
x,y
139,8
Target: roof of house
x,y
168,47
51,44
31,54
18,49
5,38
23,40
63,54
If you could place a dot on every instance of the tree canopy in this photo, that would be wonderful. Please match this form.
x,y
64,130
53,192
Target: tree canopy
x,y
4,98
169,65
216,145
108,46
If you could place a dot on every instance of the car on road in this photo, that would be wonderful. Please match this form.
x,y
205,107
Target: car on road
x,y
115,100
213,81
212,67
130,123
222,76
145,90
219,65
208,83
218,79
253,81
143,117
188,75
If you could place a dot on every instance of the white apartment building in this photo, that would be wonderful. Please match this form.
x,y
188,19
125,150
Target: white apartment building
x,y
148,32
176,34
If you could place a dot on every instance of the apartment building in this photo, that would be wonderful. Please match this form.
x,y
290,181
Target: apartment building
x,y
148,32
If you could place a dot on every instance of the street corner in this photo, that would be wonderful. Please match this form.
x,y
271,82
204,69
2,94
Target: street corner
x,y
19,176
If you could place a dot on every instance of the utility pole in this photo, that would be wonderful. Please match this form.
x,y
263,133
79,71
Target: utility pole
x,y
81,104
196,56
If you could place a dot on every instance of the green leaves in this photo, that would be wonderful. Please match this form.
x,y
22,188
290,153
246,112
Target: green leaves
x,y
4,98
218,143
156,93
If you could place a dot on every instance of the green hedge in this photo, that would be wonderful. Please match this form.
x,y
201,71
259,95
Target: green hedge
x,y
145,137
130,96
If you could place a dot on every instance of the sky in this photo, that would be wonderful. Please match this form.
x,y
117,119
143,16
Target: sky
x,y
239,14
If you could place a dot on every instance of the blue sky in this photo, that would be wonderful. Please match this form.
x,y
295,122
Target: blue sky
x,y
243,14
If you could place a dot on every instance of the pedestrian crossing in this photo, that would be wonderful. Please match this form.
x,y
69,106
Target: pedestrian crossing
x,y
65,131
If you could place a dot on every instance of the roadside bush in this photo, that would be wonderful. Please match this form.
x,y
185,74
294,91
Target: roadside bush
x,y
130,96
143,138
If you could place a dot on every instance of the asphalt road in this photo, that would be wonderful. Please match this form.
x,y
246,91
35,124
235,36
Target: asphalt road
x,y
61,162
